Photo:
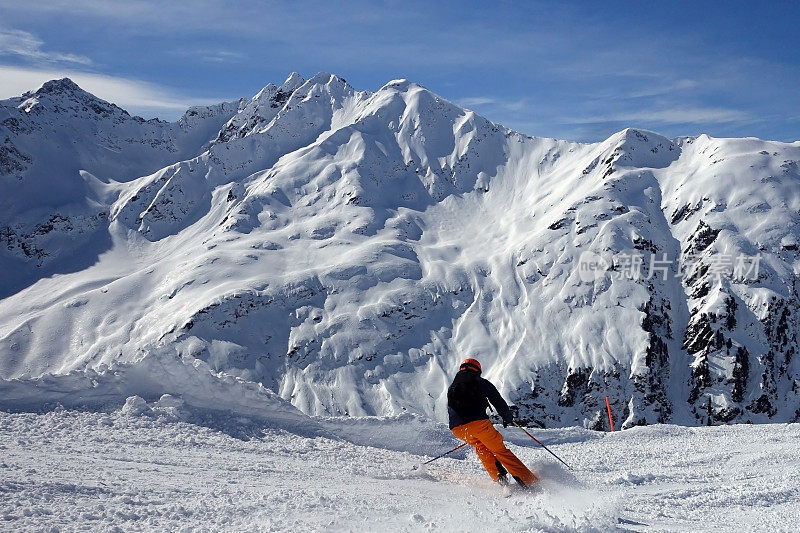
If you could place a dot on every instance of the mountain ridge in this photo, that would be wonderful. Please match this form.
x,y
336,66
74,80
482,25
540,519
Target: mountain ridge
x,y
345,249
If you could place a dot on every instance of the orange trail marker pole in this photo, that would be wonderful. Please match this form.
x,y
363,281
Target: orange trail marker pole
x,y
610,421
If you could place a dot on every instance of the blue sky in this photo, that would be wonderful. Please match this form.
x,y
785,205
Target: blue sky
x,y
572,70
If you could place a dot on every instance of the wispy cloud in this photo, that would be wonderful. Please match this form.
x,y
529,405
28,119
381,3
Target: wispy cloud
x,y
692,115
649,88
210,55
29,47
662,89
136,96
220,56
488,102
475,101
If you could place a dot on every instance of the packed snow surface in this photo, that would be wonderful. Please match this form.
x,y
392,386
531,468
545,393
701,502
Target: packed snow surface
x,y
158,467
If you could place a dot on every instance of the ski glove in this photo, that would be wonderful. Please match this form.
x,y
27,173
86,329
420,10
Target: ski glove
x,y
507,422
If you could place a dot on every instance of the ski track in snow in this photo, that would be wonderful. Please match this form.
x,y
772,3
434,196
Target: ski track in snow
x,y
71,471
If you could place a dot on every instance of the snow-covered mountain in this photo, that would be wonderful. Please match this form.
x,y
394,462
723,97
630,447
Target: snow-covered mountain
x,y
343,250
63,155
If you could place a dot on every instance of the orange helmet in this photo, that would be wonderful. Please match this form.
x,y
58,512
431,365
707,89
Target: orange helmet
x,y
471,364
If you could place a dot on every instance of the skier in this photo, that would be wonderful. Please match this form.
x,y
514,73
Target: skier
x,y
467,400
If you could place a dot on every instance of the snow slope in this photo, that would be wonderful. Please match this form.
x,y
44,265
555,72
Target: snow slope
x,y
62,151
344,250
152,468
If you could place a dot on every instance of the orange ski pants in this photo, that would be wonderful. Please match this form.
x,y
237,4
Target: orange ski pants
x,y
488,444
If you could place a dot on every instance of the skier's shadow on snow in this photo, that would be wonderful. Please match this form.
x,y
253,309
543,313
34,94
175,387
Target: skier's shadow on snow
x,y
240,429
247,429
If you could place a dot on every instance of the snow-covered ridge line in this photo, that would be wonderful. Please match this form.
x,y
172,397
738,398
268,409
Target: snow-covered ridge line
x,y
345,249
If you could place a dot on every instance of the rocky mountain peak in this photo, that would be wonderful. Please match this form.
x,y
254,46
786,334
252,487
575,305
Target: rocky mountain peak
x,y
293,81
62,86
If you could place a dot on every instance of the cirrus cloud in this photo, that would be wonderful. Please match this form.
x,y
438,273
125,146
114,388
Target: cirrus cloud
x,y
29,47
136,96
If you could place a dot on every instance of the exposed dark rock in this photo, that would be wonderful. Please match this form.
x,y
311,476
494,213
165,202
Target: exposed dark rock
x,y
741,372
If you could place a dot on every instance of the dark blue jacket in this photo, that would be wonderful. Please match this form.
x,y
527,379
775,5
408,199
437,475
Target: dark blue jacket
x,y
470,395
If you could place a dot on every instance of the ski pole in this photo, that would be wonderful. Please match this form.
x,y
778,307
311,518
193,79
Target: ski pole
x,y
537,441
445,453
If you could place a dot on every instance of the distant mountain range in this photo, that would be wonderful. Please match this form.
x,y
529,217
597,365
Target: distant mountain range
x,y
343,250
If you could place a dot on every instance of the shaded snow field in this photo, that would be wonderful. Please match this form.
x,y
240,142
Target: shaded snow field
x,y
159,467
